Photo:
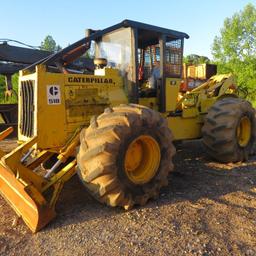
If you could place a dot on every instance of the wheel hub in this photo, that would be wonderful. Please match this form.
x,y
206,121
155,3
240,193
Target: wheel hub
x,y
142,159
243,131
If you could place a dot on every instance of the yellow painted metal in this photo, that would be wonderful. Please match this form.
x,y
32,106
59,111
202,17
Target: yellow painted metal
x,y
70,148
190,112
243,131
59,105
24,188
194,105
25,200
172,87
3,135
81,97
207,93
21,187
142,159
185,128
12,162
226,81
56,130
62,176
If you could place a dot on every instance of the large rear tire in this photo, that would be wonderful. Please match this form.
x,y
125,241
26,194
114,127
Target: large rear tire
x,y
125,155
229,130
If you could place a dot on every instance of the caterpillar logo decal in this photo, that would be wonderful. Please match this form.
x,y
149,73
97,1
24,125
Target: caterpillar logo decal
x,y
92,80
53,95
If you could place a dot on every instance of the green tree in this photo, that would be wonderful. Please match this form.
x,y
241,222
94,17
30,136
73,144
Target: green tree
x,y
2,81
196,59
49,44
234,50
13,99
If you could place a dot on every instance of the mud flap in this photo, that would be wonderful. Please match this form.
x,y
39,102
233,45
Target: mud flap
x,y
26,200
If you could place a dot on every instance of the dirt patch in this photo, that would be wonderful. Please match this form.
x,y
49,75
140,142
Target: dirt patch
x,y
207,209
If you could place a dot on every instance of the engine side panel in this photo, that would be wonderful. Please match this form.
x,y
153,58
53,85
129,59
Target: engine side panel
x,y
63,103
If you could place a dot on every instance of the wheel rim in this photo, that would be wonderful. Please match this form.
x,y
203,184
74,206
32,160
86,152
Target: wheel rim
x,y
243,131
142,159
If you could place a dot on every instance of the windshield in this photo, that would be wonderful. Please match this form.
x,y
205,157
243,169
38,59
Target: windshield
x,y
116,48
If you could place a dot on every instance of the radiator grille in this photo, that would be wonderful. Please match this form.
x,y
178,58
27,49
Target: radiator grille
x,y
27,108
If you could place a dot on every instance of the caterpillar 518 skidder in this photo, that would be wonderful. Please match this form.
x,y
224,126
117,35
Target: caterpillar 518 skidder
x,y
114,125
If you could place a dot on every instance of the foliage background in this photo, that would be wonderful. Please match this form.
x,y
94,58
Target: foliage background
x,y
13,99
48,44
234,50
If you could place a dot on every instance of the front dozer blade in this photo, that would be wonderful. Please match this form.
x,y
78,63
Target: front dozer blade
x,y
26,200
29,193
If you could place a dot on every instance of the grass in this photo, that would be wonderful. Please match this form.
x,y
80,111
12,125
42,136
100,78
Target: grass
x,y
253,104
12,99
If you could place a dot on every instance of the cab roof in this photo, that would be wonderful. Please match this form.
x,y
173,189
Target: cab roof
x,y
78,48
143,26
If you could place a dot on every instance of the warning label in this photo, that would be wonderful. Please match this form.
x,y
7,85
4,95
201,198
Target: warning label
x,y
53,94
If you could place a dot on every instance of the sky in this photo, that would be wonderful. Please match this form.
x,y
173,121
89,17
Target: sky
x,y
30,21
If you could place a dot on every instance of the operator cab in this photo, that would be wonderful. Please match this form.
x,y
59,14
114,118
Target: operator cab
x,y
149,59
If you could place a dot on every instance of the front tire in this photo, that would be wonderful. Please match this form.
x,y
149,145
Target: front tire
x,y
125,155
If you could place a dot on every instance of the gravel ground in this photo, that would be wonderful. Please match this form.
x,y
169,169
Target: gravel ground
x,y
207,209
